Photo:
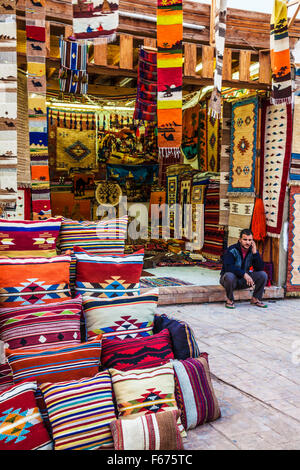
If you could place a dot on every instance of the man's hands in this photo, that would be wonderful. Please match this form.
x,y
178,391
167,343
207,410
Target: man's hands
x,y
253,245
249,280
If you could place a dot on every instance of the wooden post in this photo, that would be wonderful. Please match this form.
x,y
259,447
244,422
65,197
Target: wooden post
x,y
264,67
208,54
190,59
100,54
126,51
227,64
244,66
48,36
212,34
150,43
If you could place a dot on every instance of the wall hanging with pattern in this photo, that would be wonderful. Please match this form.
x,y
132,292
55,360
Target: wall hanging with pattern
x,y
73,77
146,99
293,268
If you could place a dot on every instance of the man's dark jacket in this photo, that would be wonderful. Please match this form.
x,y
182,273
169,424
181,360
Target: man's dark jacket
x,y
233,261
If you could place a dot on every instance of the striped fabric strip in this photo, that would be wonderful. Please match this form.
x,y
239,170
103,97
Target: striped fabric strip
x,y
194,392
80,412
55,364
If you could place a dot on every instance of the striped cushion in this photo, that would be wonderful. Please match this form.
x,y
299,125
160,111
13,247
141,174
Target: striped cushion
x,y
108,276
28,281
153,431
27,238
122,317
183,339
80,412
137,353
55,364
21,424
194,392
105,237
6,377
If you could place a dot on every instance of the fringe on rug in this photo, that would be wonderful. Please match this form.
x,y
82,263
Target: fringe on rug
x,y
174,152
275,101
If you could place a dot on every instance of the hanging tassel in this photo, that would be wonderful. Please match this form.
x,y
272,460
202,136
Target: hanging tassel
x,y
258,225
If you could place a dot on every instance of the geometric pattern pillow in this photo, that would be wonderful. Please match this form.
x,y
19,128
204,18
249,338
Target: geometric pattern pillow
x,y
41,329
194,392
27,238
153,431
29,281
137,353
183,338
80,412
108,276
21,424
55,364
121,317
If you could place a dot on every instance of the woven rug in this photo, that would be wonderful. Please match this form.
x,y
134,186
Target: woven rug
x,y
37,124
73,77
212,142
169,81
75,149
280,54
8,106
293,268
243,147
240,215
192,135
213,232
96,21
225,164
185,202
294,175
197,201
146,95
172,197
275,161
162,282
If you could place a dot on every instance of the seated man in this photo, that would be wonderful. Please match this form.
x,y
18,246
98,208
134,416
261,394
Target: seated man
x,y
238,259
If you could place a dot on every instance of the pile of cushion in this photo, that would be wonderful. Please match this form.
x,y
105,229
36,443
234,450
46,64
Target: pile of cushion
x,y
86,360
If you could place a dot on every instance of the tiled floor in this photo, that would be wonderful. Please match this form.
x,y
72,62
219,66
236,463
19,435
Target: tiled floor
x,y
255,364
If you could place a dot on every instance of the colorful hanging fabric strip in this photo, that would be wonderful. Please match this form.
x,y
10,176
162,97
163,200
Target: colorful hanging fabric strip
x,y
293,267
146,100
225,164
8,105
295,159
73,77
36,86
276,143
212,162
280,55
169,80
215,103
95,21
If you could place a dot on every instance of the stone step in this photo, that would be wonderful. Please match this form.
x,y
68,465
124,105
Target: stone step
x,y
171,295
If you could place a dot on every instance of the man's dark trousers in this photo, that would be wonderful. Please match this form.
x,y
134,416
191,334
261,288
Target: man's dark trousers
x,y
231,282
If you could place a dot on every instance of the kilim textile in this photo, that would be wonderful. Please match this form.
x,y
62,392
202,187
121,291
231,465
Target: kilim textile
x,y
146,282
243,146
21,424
95,21
155,431
212,142
23,206
185,202
37,118
240,215
8,105
137,353
73,76
172,197
75,149
24,170
197,202
294,175
280,55
225,163
80,412
169,80
79,360
194,136
28,281
146,95
215,103
293,268
108,276
213,232
194,392
275,162
121,317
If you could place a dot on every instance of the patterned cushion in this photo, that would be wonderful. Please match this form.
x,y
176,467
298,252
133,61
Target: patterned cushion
x,y
105,237
28,281
153,431
108,276
80,412
21,424
55,364
194,392
27,238
183,340
137,353
122,317
6,377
